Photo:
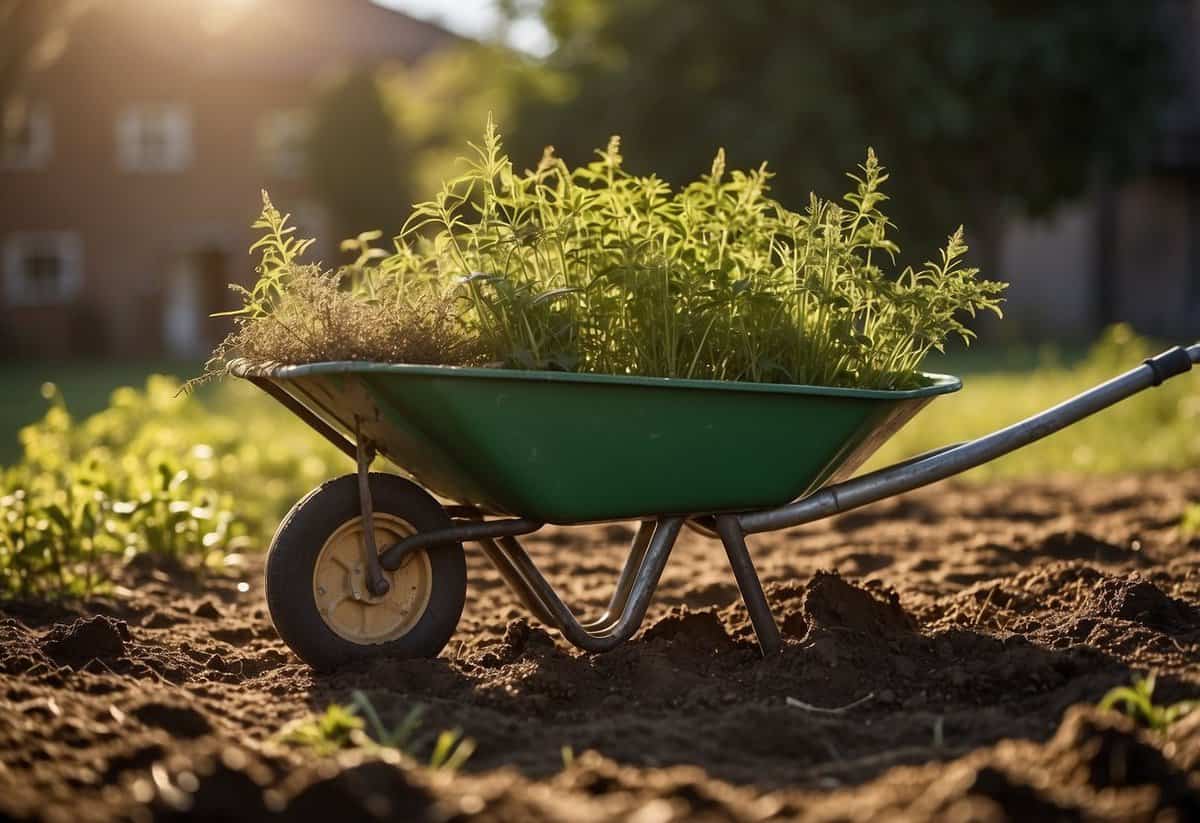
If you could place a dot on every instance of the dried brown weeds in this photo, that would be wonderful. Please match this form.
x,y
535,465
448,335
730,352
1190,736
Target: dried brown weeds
x,y
316,320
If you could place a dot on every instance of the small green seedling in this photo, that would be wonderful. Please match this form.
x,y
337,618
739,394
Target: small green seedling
x,y
358,725
1189,524
1137,701
337,728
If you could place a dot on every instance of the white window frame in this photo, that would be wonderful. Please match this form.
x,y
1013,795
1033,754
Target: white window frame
x,y
66,246
283,141
31,156
170,124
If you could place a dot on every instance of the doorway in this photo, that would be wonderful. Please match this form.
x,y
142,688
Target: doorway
x,y
196,287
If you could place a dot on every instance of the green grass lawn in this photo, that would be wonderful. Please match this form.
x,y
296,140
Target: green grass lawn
x,y
85,385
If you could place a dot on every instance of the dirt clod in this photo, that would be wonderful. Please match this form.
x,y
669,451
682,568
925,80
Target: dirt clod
x,y
682,625
1137,599
179,721
832,602
99,637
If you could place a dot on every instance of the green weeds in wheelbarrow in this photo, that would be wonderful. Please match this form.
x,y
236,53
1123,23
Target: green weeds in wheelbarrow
x,y
595,269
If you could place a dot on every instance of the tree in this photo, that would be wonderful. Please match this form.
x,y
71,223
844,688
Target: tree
x,y
356,158
33,34
973,104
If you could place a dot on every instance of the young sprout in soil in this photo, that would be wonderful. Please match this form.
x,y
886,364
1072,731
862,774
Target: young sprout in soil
x,y
336,729
1189,524
357,725
1137,701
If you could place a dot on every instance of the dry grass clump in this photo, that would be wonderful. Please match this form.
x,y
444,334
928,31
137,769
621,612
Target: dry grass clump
x,y
298,313
317,319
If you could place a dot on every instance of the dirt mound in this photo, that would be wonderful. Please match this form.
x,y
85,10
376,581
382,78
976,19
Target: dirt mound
x,y
369,790
1138,600
99,637
833,603
689,626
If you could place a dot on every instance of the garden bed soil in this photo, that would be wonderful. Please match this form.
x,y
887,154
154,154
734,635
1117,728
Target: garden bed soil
x,y
970,630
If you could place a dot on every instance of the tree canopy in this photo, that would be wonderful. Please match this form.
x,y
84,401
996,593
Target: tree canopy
x,y
972,103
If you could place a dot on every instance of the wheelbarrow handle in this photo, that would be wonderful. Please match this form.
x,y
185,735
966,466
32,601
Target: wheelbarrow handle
x,y
942,463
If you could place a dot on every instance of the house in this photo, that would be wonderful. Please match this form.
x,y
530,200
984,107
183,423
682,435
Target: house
x,y
129,183
1128,253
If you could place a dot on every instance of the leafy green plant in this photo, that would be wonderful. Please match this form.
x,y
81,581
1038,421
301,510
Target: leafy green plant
x,y
1137,701
595,269
358,725
154,473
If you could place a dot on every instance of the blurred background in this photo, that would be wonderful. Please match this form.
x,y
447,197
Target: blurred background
x,y
135,136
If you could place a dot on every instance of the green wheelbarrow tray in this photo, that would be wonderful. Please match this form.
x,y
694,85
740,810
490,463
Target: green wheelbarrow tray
x,y
371,564
572,448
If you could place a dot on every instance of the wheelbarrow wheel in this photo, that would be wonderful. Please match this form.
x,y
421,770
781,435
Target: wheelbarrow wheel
x,y
316,586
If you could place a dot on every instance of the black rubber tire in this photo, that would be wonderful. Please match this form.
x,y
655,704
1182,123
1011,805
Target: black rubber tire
x,y
298,542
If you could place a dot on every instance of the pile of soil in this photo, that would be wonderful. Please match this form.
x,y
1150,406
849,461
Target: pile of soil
x,y
943,656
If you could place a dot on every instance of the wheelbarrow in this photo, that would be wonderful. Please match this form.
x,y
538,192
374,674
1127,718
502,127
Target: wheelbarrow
x,y
372,564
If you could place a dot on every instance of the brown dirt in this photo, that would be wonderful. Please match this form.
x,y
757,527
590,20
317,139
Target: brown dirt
x,y
978,626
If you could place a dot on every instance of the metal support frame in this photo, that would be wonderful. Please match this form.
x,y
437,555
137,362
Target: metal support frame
x,y
734,540
633,591
394,555
377,582
339,440
629,602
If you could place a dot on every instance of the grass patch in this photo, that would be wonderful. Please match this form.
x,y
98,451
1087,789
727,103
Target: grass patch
x,y
301,314
1157,429
86,386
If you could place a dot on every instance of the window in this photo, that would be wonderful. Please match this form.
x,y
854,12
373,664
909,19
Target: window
x,y
283,141
26,138
154,138
42,268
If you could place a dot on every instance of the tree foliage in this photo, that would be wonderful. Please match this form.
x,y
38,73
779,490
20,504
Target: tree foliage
x,y
973,102
356,157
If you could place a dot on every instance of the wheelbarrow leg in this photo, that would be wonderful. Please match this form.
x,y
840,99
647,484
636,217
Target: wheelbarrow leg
x,y
530,583
734,540
629,573
515,581
377,582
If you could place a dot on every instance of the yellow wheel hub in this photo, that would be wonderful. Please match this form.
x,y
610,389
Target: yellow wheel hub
x,y
340,586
